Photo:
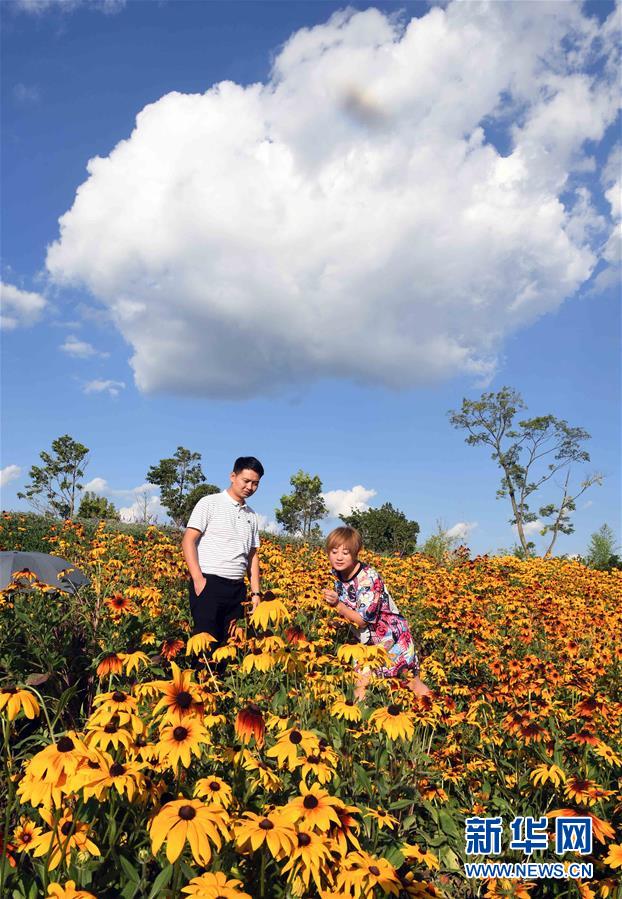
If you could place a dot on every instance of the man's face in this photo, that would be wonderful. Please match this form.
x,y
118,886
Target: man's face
x,y
244,484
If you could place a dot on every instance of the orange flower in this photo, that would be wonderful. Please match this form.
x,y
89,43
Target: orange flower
x,y
250,723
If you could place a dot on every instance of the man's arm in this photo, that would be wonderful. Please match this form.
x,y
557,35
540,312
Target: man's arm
x,y
189,548
254,576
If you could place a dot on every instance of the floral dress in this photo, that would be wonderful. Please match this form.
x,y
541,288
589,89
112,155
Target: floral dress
x,y
366,594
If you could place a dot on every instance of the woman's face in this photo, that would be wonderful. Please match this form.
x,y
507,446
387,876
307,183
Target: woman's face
x,y
342,558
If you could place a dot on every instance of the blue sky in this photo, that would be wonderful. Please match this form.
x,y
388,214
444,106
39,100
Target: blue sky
x,y
381,211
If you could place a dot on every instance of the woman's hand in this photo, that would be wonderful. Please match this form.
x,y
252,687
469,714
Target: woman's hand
x,y
330,598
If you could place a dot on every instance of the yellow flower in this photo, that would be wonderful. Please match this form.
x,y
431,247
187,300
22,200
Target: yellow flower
x,y
132,661
214,790
58,760
394,722
25,835
179,695
288,746
313,764
252,831
269,611
15,700
215,886
189,819
541,773
315,807
614,856
199,643
346,709
310,856
416,854
350,652
606,753
362,872
66,835
178,742
98,775
68,891
382,818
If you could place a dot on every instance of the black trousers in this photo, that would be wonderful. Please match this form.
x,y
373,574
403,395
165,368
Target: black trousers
x,y
216,606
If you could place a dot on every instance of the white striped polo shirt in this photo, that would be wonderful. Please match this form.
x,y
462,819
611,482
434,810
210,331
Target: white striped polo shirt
x,y
230,530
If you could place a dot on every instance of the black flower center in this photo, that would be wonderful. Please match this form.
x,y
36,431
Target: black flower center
x,y
119,696
394,710
214,786
93,765
26,837
304,839
180,734
310,801
313,759
349,702
66,828
187,813
295,737
111,728
184,699
117,770
65,744
374,870
266,824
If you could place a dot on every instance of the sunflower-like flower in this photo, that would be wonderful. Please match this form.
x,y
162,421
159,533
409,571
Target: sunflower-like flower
x,y
543,773
308,859
25,835
215,886
350,652
315,807
112,734
179,742
314,764
252,831
346,709
15,700
179,694
362,872
382,818
133,660
606,753
268,778
118,605
394,721
192,820
614,856
344,833
250,723
602,830
67,891
228,652
199,643
262,661
269,611
96,778
171,647
60,759
214,791
65,835
289,745
414,853
110,663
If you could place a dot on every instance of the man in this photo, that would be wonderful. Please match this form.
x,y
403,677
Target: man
x,y
220,546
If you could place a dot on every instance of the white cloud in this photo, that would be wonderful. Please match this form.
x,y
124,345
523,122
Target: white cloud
x,y
461,529
20,308
145,509
26,93
112,388
248,238
531,528
344,502
8,474
80,349
97,485
37,7
267,524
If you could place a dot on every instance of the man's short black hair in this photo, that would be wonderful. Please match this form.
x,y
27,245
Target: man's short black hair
x,y
248,462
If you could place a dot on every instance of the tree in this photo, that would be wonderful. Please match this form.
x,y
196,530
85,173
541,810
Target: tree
x,y
385,529
440,544
177,478
55,485
529,454
303,507
601,552
94,506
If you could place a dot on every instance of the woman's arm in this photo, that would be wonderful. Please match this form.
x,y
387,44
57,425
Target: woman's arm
x,y
331,599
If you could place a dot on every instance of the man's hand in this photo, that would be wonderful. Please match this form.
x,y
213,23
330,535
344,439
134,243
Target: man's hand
x,y
199,585
255,600
330,598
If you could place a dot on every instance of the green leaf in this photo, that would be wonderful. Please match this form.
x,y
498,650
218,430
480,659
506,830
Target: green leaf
x,y
161,881
401,803
129,869
447,824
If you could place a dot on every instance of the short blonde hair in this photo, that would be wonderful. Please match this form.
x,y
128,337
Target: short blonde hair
x,y
345,536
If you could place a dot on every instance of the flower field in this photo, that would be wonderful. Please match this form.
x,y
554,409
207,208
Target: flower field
x,y
138,762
